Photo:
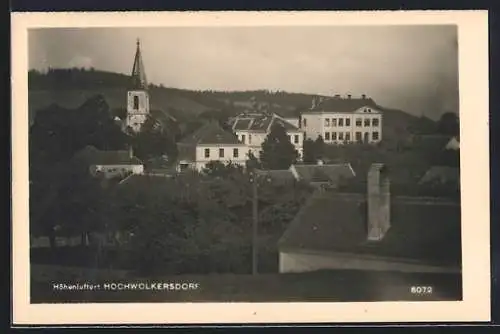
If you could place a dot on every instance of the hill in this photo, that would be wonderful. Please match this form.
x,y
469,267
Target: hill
x,y
70,88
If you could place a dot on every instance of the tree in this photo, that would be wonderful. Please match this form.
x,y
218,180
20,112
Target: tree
x,y
154,141
313,150
252,162
277,150
448,124
219,169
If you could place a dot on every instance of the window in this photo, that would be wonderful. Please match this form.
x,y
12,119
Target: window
x,y
348,136
358,136
327,135
375,122
304,122
375,136
327,122
207,153
136,102
347,122
249,139
334,122
296,139
341,136
341,122
243,138
334,135
359,122
367,122
221,153
235,152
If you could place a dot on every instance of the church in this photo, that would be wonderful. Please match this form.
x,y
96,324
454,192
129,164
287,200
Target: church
x,y
137,95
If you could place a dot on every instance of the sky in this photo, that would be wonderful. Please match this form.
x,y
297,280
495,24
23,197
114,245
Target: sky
x,y
413,68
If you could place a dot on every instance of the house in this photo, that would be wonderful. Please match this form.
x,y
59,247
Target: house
x,y
321,175
137,96
441,175
110,164
253,127
210,143
343,120
373,231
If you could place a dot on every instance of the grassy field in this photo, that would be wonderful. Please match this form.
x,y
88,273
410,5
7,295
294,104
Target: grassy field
x,y
324,286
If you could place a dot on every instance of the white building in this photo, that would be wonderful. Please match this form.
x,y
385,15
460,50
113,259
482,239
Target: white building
x,y
252,129
343,120
210,143
108,163
137,96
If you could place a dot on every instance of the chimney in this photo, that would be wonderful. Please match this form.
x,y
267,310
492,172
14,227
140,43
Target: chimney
x,y
337,96
349,96
378,202
363,96
314,102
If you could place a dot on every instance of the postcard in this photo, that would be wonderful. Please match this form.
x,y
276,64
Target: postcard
x,y
250,167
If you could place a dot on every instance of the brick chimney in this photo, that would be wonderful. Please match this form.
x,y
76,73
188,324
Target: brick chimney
x,y
379,197
349,96
363,96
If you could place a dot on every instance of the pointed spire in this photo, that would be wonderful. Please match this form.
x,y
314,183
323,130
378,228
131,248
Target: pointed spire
x,y
138,74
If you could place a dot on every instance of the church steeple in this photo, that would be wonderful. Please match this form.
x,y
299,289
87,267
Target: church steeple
x,y
137,96
139,80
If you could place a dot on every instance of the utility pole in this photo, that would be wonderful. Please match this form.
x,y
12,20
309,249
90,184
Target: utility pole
x,y
255,223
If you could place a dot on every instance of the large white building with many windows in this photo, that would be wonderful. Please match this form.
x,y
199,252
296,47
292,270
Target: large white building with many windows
x,y
342,120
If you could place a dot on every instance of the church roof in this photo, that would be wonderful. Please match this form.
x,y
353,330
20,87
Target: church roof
x,y
139,80
211,133
337,222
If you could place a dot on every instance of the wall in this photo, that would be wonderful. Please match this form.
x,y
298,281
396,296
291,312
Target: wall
x,y
201,160
303,262
136,117
116,170
254,140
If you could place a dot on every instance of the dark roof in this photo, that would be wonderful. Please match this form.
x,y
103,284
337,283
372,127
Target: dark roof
x,y
441,174
278,176
211,133
339,104
422,229
92,156
260,121
332,173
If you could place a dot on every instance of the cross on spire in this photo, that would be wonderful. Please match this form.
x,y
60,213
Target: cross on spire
x,y
138,73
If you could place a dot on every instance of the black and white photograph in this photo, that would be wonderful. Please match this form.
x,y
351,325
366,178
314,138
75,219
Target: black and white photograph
x,y
248,164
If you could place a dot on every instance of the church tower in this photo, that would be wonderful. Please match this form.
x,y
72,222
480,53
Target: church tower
x,y
137,96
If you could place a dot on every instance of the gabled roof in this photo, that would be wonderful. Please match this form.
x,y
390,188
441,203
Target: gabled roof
x,y
340,104
211,133
441,175
422,229
92,156
332,173
260,122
